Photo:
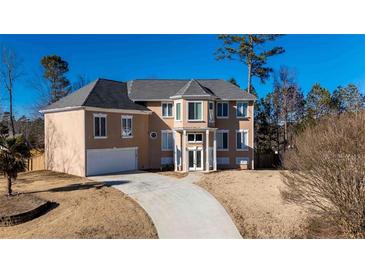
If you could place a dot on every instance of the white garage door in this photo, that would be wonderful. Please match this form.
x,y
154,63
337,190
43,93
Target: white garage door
x,y
104,161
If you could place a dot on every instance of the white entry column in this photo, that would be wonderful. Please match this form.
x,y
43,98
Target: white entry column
x,y
207,150
184,151
215,151
175,150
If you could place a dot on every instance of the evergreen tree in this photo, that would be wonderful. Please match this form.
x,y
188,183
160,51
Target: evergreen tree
x,y
234,82
348,99
319,102
247,48
54,71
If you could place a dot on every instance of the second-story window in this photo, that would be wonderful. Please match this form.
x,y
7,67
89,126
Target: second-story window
x,y
178,111
241,110
167,110
195,111
100,126
211,112
127,128
222,110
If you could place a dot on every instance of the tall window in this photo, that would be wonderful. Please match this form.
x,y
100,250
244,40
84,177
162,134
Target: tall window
x,y
178,111
100,125
195,111
241,110
166,109
222,110
166,140
222,139
211,112
127,127
241,139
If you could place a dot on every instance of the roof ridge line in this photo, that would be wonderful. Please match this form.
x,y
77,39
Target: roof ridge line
x,y
92,89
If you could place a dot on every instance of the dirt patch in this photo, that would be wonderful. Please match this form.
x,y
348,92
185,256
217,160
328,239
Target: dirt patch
x,y
17,204
253,200
86,209
174,174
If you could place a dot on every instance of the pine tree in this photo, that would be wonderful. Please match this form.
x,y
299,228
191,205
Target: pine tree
x,y
319,102
54,71
246,48
348,99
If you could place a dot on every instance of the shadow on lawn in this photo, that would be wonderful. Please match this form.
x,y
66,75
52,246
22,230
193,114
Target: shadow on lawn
x,y
81,186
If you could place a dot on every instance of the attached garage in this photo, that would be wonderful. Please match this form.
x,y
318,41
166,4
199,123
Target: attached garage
x,y
104,161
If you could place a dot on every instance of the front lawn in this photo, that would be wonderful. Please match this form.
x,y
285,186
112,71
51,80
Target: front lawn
x,y
86,209
253,200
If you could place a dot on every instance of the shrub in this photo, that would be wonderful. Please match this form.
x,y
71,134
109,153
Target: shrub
x,y
14,151
326,171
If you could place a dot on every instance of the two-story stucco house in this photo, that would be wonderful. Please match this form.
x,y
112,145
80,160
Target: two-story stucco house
x,y
110,126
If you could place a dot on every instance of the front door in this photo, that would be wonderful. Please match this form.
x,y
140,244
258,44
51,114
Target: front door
x,y
195,159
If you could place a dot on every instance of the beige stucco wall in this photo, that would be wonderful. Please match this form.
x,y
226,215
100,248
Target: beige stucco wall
x,y
157,123
233,124
65,142
140,124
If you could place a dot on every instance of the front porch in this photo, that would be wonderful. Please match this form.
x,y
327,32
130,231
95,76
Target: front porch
x,y
195,149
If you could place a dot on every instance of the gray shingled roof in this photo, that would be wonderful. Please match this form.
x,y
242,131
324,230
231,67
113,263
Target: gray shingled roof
x,y
144,90
101,93
193,88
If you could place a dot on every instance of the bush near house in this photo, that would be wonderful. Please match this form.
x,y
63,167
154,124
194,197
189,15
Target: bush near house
x,y
327,171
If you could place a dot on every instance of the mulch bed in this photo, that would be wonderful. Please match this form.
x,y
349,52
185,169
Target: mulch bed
x,y
21,208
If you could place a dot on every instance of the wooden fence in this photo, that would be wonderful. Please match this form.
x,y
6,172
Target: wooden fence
x,y
36,162
267,160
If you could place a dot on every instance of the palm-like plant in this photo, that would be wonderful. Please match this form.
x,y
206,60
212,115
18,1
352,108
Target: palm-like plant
x,y
14,151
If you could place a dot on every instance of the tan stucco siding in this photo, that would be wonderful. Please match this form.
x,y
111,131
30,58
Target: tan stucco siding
x,y
156,124
114,138
232,124
65,142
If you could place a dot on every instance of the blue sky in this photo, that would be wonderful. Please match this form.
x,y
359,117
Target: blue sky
x,y
331,60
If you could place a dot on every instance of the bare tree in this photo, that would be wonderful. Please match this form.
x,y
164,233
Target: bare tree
x,y
289,100
327,171
10,71
82,80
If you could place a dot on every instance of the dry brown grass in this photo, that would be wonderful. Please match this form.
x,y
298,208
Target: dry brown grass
x,y
86,209
253,200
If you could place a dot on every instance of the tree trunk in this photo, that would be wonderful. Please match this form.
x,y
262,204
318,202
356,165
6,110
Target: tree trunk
x,y
9,185
249,68
12,128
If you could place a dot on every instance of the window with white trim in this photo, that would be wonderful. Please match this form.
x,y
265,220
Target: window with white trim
x,y
166,140
178,111
166,110
241,109
195,137
222,110
241,139
211,112
100,125
222,139
195,111
127,126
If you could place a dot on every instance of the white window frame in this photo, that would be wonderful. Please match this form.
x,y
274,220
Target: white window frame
x,y
245,114
121,123
178,103
172,138
222,117
100,115
223,131
202,111
245,148
195,141
213,116
239,160
172,109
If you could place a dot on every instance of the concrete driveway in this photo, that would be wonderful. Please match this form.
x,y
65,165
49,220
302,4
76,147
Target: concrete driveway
x,y
178,208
